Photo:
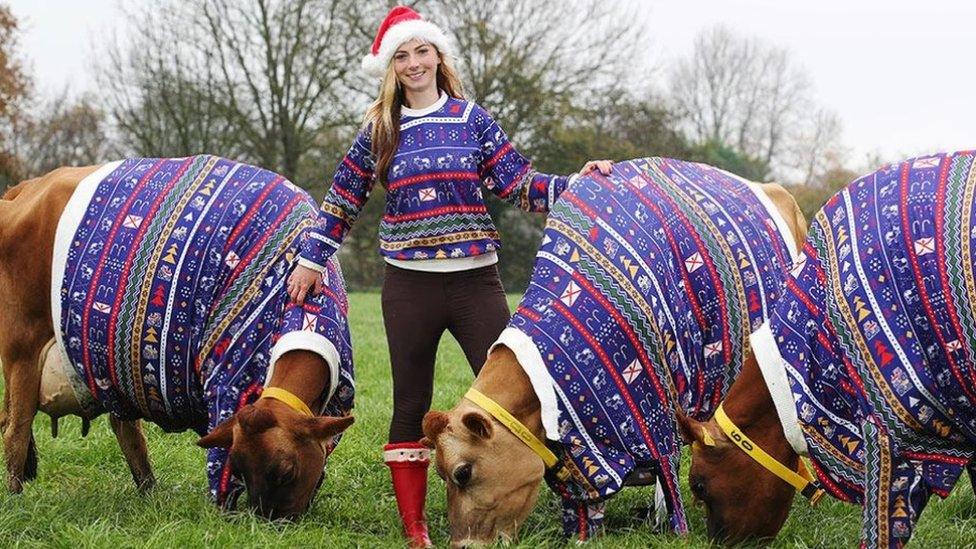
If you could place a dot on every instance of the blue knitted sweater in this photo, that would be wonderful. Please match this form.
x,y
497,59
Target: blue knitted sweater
x,y
434,205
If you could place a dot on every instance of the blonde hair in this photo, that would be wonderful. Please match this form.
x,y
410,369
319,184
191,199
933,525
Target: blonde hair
x,y
384,112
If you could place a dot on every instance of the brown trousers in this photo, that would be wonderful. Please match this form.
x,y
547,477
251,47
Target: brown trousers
x,y
417,308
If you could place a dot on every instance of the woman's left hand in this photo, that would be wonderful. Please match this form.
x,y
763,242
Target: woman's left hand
x,y
605,167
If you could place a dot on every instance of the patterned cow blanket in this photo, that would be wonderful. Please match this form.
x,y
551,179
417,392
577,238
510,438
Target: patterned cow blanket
x,y
645,288
872,346
168,289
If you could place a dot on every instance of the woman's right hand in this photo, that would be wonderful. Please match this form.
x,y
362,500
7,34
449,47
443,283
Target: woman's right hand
x,y
301,280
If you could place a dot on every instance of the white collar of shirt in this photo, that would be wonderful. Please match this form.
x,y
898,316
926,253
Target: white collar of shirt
x,y
407,111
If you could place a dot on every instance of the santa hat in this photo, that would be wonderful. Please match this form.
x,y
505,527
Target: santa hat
x,y
401,25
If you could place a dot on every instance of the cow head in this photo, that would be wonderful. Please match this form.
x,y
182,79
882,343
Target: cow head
x,y
278,452
492,477
742,500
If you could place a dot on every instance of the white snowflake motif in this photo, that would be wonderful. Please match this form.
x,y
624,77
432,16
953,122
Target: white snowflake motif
x,y
150,352
561,247
567,336
925,413
584,357
807,412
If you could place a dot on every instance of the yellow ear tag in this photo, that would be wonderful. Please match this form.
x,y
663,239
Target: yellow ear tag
x,y
707,438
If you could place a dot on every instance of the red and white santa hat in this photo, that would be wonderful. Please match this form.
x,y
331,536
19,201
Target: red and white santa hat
x,y
401,25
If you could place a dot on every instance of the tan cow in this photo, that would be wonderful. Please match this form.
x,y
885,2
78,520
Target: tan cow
x,y
277,449
492,476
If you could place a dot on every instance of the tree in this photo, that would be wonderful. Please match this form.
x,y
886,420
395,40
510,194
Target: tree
x,y
720,155
15,87
260,80
748,96
65,133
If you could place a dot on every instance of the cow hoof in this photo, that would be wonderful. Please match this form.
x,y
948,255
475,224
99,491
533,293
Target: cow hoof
x,y
15,485
146,484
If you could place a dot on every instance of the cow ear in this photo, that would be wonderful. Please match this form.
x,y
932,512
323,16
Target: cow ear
x,y
693,431
433,425
478,424
323,427
254,420
222,435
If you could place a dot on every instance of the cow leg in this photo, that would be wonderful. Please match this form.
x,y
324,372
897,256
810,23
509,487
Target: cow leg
x,y
133,445
30,465
20,395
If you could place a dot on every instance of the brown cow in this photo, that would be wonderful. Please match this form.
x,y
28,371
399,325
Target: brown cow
x,y
277,450
492,477
862,368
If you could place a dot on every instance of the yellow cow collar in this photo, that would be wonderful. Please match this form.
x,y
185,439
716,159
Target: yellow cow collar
x,y
800,479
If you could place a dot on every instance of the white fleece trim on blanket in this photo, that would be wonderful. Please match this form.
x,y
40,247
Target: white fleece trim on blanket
x,y
531,361
784,229
771,364
74,212
308,341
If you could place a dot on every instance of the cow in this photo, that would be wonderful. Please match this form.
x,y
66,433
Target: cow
x,y
153,289
645,287
866,364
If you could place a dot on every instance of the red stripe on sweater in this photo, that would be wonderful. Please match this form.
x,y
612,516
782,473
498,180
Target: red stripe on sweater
x,y
477,208
441,176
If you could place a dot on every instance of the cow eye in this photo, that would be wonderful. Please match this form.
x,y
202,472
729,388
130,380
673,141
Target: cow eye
x,y
462,474
698,488
283,474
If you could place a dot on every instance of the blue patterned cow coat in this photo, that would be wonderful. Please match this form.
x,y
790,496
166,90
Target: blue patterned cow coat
x,y
169,296
875,340
645,287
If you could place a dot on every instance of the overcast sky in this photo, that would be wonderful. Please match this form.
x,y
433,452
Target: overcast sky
x,y
900,74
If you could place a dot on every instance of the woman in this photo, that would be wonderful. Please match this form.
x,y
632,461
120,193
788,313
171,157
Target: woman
x,y
431,149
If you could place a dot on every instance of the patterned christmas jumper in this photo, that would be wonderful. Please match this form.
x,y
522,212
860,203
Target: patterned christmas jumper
x,y
168,289
645,288
869,355
434,205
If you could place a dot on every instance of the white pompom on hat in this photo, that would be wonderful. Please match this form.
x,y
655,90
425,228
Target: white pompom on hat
x,y
401,25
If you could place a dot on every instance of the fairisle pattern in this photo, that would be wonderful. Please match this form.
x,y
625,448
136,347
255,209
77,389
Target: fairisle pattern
x,y
877,336
434,205
173,295
645,287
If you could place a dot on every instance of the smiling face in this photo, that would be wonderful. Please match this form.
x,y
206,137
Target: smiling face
x,y
415,65
278,453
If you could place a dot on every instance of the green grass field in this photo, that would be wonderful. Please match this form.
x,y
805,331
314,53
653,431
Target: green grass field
x,y
84,496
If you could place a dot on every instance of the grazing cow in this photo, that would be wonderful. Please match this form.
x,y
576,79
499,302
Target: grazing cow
x,y
866,365
153,288
644,290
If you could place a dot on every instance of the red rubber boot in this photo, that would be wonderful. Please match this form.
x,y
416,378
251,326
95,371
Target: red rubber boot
x,y
408,462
